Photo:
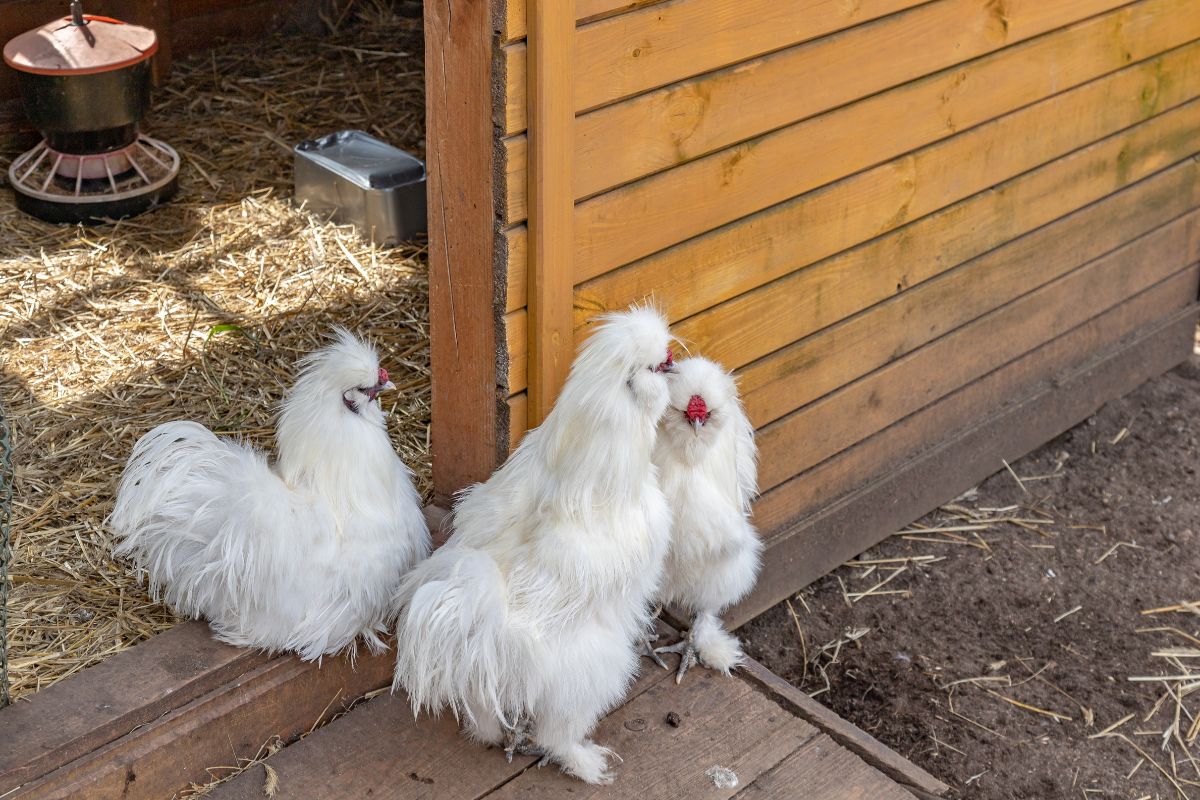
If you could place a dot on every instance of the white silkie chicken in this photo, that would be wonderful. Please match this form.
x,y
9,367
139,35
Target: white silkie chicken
x,y
706,459
525,622
304,556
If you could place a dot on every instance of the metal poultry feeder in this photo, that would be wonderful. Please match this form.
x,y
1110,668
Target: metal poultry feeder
x,y
85,85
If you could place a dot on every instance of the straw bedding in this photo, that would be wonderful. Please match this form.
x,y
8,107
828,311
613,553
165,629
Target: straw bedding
x,y
197,310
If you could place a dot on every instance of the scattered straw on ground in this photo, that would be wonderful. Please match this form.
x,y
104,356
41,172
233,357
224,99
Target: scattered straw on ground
x,y
198,310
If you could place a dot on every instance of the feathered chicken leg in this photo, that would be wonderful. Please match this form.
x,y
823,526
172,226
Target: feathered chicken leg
x,y
708,643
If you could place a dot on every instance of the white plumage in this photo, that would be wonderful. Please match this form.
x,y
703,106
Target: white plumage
x,y
304,556
707,469
526,620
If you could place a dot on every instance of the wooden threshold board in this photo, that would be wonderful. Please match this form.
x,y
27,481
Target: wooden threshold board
x,y
753,723
146,721
806,548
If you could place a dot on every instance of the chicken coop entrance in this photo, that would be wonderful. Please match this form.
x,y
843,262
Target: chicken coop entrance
x,y
199,309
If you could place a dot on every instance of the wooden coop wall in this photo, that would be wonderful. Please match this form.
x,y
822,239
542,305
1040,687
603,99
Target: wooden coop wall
x,y
926,235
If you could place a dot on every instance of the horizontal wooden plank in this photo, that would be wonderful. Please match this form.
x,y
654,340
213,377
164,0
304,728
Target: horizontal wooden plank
x,y
791,375
513,245
516,332
101,704
284,697
736,260
380,750
514,16
824,770
723,721
657,212
701,272
679,123
518,419
650,47
950,446
806,437
860,743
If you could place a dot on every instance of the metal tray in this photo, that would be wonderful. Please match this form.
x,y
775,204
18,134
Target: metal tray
x,y
364,182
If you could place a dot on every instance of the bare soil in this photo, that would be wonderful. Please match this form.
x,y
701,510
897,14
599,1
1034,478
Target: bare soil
x,y
996,655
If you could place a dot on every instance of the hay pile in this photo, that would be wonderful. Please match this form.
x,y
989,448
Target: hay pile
x,y
198,310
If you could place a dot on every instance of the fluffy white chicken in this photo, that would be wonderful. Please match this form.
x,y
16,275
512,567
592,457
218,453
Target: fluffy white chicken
x,y
706,459
304,556
524,623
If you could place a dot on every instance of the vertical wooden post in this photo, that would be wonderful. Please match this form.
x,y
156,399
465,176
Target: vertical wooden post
x,y
551,41
463,317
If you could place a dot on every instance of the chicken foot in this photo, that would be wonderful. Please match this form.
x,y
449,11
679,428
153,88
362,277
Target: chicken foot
x,y
686,648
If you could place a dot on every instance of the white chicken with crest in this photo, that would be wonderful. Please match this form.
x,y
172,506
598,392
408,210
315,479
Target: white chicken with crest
x,y
525,622
706,459
303,555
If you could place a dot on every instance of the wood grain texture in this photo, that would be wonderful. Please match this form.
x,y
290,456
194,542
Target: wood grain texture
x,y
723,721
101,704
380,750
759,251
788,375
468,433
844,733
804,235
518,419
513,27
824,768
808,436
650,47
551,204
676,124
284,697
954,456
626,224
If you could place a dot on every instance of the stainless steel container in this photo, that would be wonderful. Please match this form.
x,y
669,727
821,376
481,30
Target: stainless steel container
x,y
362,181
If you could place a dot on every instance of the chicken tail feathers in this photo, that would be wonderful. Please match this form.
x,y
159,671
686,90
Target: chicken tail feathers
x,y
454,646
168,509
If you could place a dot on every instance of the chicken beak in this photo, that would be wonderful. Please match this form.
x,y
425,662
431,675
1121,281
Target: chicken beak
x,y
697,424
387,387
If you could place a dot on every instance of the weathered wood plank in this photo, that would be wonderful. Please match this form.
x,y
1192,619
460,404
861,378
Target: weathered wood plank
x,y
682,122
824,770
664,209
516,333
380,750
847,735
795,368
469,414
722,721
685,280
728,262
989,426
101,704
551,203
284,697
806,437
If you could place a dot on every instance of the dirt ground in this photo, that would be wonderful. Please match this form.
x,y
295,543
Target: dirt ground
x,y
996,653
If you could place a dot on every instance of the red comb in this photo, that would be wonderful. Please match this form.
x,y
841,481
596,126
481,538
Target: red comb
x,y
383,376
697,411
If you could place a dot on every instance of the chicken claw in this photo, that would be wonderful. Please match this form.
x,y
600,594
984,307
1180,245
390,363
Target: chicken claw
x,y
517,740
649,652
686,648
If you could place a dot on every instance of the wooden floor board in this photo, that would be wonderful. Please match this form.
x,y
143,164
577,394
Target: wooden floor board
x,y
723,722
824,769
748,723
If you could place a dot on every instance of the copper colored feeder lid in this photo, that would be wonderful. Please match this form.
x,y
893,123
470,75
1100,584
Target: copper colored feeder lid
x,y
61,47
